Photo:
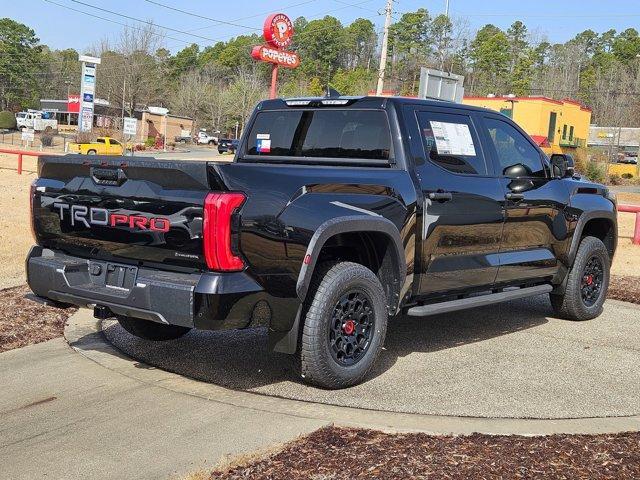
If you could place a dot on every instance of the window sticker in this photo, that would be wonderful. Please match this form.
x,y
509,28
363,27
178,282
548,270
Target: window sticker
x,y
453,139
263,146
263,136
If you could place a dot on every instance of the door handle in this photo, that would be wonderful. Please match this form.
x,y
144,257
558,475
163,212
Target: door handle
x,y
440,196
516,197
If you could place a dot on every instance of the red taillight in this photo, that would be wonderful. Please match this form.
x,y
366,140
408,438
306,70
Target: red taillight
x,y
216,227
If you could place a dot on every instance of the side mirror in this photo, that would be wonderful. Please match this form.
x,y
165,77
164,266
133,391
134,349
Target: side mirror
x,y
516,171
562,165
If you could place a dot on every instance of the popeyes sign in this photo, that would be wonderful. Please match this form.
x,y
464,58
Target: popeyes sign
x,y
278,32
273,55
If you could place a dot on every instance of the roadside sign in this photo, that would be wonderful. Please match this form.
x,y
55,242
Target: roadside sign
x,y
130,126
278,30
73,103
87,92
28,135
86,119
278,33
273,55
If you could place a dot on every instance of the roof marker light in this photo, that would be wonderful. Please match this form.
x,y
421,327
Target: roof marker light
x,y
294,103
335,102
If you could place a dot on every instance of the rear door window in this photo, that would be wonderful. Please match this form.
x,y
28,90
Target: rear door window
x,y
451,142
330,133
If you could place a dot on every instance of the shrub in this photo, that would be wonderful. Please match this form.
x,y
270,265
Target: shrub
x,y
615,179
7,120
596,172
580,159
46,137
83,137
150,142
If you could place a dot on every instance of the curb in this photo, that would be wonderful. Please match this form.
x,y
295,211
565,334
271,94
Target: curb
x,y
84,334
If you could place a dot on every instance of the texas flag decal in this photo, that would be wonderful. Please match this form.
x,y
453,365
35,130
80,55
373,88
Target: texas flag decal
x,y
263,146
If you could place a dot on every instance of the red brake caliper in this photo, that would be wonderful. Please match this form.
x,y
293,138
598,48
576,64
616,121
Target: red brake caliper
x,y
349,327
588,279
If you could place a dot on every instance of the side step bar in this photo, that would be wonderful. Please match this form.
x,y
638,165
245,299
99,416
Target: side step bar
x,y
477,301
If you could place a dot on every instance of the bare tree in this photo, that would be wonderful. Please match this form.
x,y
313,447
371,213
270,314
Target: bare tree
x,y
192,96
244,92
130,76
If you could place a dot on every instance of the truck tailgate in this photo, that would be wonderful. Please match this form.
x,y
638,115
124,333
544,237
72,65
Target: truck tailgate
x,y
125,209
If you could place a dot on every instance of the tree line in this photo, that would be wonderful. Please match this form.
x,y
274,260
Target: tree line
x,y
219,85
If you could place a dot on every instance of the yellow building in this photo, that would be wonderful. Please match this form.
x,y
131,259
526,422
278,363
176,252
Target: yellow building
x,y
557,126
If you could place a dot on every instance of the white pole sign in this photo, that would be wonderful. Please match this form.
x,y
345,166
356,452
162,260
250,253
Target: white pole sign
x,y
87,92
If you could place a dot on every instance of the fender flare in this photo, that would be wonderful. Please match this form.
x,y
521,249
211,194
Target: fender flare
x,y
349,224
582,221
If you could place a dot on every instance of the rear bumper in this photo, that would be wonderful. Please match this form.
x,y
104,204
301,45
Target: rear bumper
x,y
201,300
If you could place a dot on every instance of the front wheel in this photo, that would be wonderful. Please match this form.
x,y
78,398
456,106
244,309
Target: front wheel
x,y
151,330
344,327
587,283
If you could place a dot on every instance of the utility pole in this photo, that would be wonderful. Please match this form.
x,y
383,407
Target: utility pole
x,y
385,42
124,91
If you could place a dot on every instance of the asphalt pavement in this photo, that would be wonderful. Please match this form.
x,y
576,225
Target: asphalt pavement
x,y
511,360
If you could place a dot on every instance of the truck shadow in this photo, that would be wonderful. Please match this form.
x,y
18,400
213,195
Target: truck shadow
x,y
240,359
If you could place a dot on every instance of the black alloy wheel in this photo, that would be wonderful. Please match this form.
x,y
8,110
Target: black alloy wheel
x,y
591,285
351,328
585,289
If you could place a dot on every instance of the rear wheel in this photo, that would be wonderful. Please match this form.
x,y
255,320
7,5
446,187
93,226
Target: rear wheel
x,y
587,283
344,327
91,152
151,330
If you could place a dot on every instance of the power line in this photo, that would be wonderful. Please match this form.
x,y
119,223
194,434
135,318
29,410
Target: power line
x,y
116,22
147,22
224,22
109,68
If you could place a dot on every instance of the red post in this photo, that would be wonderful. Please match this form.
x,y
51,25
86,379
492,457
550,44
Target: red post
x,y
19,164
274,81
636,232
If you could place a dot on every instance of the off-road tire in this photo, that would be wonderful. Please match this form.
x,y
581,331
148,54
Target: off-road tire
x,y
148,330
330,283
570,305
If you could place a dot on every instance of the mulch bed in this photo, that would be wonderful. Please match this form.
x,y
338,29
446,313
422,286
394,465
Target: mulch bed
x,y
25,320
334,453
624,288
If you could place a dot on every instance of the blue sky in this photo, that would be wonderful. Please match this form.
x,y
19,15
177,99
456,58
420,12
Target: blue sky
x,y
60,27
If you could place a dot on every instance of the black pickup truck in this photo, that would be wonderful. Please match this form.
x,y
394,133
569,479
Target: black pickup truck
x,y
335,216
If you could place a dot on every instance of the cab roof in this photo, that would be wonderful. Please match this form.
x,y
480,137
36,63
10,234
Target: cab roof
x,y
367,101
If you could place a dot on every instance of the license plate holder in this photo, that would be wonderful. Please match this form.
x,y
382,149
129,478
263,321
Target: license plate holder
x,y
121,277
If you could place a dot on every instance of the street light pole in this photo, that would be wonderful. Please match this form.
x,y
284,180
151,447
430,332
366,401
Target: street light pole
x,y
385,42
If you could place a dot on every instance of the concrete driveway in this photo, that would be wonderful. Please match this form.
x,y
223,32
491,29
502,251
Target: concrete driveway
x,y
63,416
92,412
511,360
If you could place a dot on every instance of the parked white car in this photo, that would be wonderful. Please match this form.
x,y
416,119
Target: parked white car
x,y
205,139
36,120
